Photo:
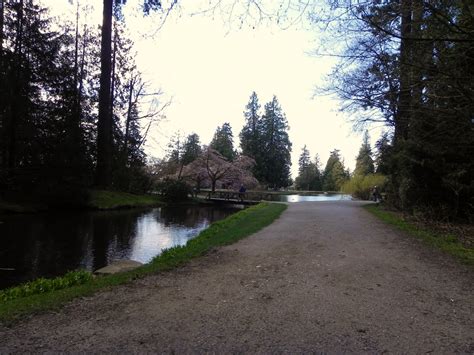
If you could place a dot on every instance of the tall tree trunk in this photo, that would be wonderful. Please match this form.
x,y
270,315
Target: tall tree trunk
x,y
406,55
76,119
3,149
127,123
2,14
103,176
82,72
15,95
419,59
113,76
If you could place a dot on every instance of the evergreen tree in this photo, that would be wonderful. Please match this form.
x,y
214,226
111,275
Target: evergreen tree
x,y
364,161
382,159
411,66
303,180
274,169
41,127
316,183
304,160
223,142
251,134
174,151
192,149
334,173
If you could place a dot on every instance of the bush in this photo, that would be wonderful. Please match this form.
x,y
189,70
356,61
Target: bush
x,y
361,186
173,190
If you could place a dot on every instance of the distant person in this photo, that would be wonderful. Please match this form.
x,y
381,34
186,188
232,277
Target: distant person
x,y
242,192
376,194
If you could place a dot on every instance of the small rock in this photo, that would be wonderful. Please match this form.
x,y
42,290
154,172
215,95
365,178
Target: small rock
x,y
118,266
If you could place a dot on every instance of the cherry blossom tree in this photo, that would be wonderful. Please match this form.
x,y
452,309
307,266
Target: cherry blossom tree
x,y
211,167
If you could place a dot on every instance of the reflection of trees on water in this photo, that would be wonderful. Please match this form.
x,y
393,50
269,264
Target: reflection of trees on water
x,y
48,245
190,216
40,245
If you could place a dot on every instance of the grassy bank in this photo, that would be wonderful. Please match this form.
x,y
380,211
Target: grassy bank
x,y
11,207
227,231
448,243
93,199
103,200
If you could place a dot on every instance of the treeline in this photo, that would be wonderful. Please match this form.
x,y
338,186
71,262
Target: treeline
x,y
50,76
410,65
311,176
369,171
264,158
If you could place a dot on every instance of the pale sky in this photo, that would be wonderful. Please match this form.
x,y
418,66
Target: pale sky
x,y
210,71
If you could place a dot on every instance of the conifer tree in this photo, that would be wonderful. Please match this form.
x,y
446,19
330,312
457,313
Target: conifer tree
x,y
335,173
223,141
192,149
274,168
309,174
249,136
364,160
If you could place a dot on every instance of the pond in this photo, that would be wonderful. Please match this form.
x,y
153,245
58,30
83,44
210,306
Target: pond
x,y
308,198
48,245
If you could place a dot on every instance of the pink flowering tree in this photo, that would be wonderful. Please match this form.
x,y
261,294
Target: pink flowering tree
x,y
211,167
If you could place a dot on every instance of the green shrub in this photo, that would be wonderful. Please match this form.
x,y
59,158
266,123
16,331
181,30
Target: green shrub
x,y
43,285
173,190
361,186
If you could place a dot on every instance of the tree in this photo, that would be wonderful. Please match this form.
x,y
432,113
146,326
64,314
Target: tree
x,y
249,136
303,180
174,155
382,158
192,149
334,173
41,125
304,160
104,123
309,173
316,182
364,161
276,147
214,167
223,141
409,64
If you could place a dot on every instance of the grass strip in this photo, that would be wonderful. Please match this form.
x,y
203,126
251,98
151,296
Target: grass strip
x,y
101,199
224,232
446,242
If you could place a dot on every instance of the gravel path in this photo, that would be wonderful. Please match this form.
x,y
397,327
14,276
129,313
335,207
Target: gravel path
x,y
325,277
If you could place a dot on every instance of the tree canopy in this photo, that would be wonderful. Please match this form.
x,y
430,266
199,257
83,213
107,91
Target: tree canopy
x,y
409,65
223,141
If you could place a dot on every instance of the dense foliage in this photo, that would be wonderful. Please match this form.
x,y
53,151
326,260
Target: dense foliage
x,y
410,65
49,80
173,190
223,142
335,174
265,139
309,172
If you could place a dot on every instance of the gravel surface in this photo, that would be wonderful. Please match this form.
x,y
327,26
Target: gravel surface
x,y
325,277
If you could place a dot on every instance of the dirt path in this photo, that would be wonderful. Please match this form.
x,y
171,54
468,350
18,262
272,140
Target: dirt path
x,y
326,276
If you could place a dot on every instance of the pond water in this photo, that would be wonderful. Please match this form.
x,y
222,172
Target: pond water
x,y
48,245
309,198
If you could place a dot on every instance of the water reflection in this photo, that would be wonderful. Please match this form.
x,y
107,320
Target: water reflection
x,y
51,244
313,198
